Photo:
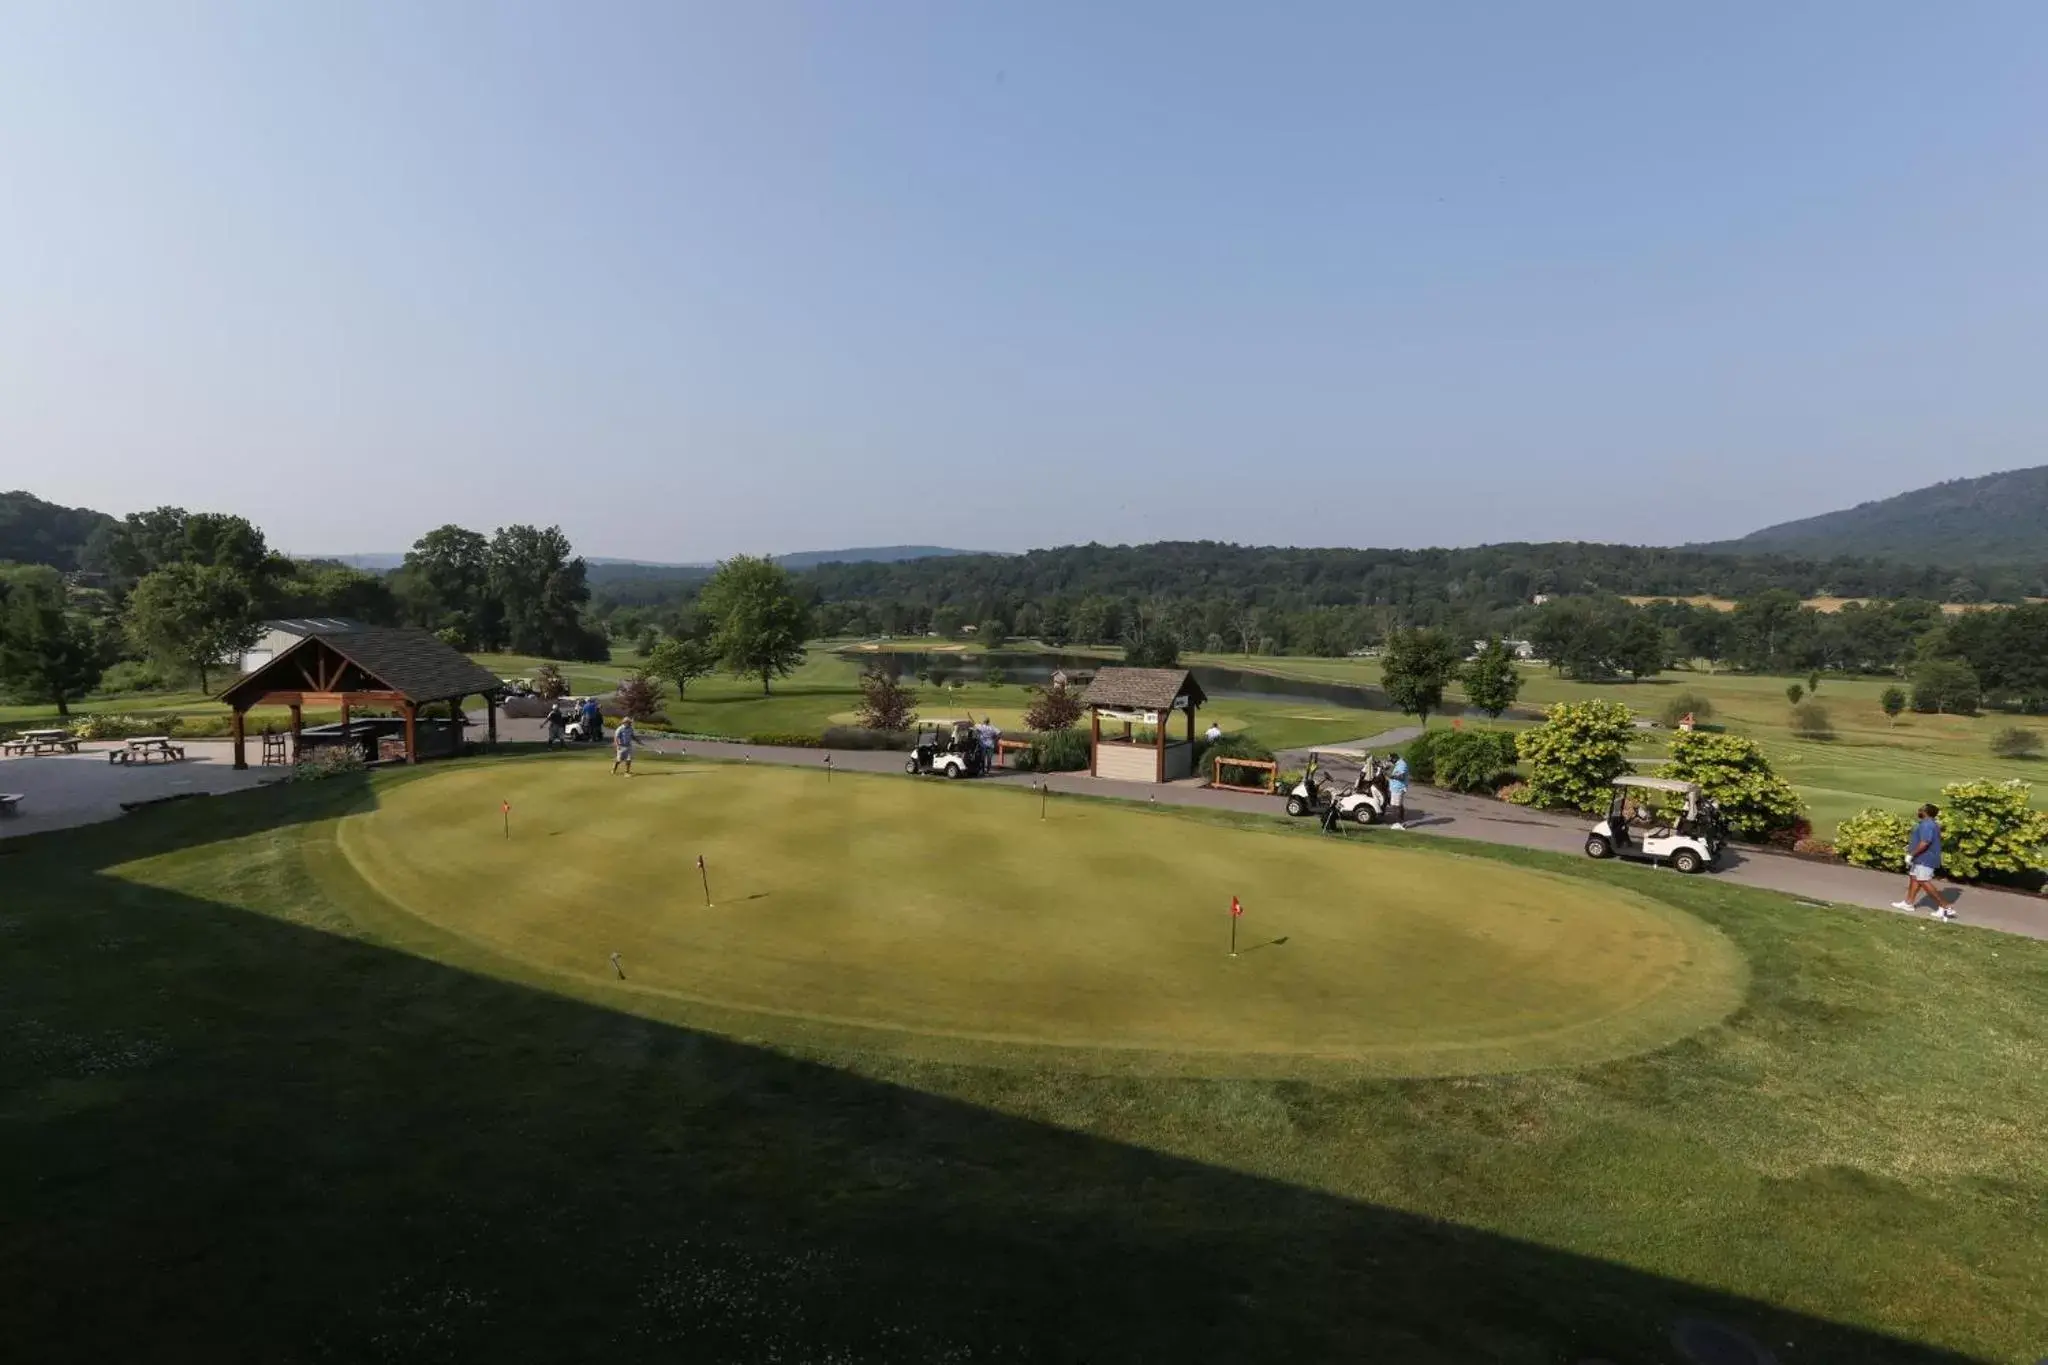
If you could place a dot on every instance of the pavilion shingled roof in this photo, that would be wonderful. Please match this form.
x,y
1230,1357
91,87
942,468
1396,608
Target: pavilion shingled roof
x,y
1147,689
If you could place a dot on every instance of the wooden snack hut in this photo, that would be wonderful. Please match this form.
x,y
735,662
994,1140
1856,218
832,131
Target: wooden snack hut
x,y
1132,697
399,670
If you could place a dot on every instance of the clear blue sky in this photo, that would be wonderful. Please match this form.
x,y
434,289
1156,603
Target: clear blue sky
x,y
698,278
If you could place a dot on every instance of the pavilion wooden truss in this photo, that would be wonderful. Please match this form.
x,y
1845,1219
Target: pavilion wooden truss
x,y
1142,696
402,670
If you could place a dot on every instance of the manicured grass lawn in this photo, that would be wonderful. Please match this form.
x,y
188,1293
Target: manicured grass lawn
x,y
1082,929
1871,762
251,1109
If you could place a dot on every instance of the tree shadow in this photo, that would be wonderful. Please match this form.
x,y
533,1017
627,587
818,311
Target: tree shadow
x,y
225,1135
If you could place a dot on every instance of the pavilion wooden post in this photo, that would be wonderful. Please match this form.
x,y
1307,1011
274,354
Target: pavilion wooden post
x,y
412,738
491,724
298,724
345,741
1095,739
1159,746
241,757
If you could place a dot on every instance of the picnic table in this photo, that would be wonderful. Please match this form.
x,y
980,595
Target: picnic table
x,y
147,749
41,742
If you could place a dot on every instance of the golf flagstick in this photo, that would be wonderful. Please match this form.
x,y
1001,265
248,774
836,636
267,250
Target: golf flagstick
x,y
1236,913
706,875
505,809
617,967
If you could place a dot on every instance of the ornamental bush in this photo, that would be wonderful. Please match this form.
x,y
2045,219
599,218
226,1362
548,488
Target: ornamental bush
x,y
2016,741
1243,744
1060,751
1810,720
1580,749
1734,772
1694,704
1052,708
1875,838
1991,827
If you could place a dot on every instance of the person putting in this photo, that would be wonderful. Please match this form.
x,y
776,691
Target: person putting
x,y
622,741
1923,861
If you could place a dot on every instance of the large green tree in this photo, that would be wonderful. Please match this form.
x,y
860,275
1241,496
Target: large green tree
x,y
445,585
758,623
1492,682
680,662
1415,668
542,586
46,654
195,617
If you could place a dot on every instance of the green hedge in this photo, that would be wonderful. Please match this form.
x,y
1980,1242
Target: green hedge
x,y
1058,751
860,737
781,739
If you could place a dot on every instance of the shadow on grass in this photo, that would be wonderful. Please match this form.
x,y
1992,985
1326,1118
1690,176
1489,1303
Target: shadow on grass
x,y
226,1136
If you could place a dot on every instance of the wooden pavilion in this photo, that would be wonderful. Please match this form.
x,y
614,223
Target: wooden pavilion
x,y
402,670
1142,696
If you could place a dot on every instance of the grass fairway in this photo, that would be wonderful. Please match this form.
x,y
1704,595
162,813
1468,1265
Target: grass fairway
x,y
955,926
250,1109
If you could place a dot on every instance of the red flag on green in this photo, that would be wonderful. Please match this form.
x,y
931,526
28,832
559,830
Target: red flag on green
x,y
1235,908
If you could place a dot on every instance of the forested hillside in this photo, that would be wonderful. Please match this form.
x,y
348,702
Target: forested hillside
x,y
1996,519
1420,585
36,532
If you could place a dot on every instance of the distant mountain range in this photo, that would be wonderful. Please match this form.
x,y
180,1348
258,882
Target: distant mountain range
x,y
802,559
1995,519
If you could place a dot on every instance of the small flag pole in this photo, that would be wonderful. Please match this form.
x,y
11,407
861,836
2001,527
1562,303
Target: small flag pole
x,y
706,875
1236,910
1041,798
505,809
617,967
828,770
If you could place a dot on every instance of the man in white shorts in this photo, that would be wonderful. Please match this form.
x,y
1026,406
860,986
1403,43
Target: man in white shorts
x,y
1923,860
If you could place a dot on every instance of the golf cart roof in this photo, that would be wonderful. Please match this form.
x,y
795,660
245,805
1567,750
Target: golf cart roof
x,y
1657,784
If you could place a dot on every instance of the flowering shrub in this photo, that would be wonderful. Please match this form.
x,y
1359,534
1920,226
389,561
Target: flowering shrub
x,y
1874,838
1734,772
1991,827
1579,750
122,727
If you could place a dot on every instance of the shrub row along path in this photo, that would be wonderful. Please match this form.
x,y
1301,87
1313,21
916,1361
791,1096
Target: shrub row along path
x,y
1442,813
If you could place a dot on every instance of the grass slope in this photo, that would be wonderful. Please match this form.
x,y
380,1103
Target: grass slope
x,y
241,1118
941,925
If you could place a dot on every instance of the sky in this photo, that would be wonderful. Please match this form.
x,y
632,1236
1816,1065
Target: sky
x,y
697,279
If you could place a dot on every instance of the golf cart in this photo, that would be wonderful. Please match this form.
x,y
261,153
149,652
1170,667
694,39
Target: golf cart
x,y
1364,801
576,731
950,750
1686,829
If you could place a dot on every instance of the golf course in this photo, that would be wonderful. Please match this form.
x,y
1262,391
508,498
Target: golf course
x,y
351,1068
908,919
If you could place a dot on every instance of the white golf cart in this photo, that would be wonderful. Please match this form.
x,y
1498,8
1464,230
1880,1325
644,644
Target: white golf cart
x,y
1364,801
1683,828
946,749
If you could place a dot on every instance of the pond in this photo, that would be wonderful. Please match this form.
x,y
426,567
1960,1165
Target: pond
x,y
1222,684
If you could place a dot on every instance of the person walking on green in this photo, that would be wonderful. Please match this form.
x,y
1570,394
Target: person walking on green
x,y
1923,860
622,741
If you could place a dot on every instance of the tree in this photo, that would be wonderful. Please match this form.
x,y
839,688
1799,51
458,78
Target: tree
x,y
1793,693
885,703
549,682
46,655
541,587
639,694
1734,773
1151,647
1639,648
1415,668
1492,682
680,662
194,617
1893,701
1813,681
1052,708
758,624
991,632
1944,685
1706,633
445,584
1578,751
946,622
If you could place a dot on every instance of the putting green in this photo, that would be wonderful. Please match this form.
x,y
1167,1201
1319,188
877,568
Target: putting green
x,y
946,921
